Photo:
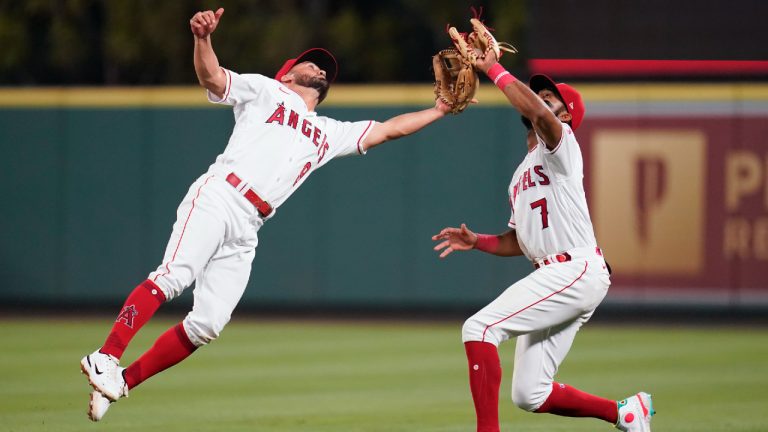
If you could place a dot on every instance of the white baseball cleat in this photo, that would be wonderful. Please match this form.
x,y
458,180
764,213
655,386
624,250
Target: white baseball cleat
x,y
635,413
98,406
105,375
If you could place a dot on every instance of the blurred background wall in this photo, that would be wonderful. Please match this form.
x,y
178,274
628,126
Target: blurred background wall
x,y
131,42
101,133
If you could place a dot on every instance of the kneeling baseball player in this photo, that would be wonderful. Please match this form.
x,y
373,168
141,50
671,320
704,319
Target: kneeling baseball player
x,y
551,226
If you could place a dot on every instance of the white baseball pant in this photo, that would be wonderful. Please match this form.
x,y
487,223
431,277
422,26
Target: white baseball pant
x,y
544,311
212,244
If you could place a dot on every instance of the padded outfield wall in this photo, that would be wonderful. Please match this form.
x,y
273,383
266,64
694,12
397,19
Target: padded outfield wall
x,y
676,175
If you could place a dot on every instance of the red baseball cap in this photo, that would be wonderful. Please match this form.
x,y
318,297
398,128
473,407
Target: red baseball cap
x,y
319,56
570,97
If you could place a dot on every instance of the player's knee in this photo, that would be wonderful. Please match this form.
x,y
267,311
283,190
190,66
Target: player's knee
x,y
527,397
173,282
525,400
202,332
171,287
475,329
471,330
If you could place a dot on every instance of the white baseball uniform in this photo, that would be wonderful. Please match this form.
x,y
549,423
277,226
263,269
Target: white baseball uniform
x,y
545,309
275,145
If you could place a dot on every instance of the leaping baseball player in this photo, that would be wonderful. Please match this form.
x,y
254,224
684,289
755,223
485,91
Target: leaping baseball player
x,y
277,142
551,226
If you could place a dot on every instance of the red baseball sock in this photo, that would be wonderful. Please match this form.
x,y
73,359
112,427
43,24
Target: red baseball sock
x,y
484,382
570,402
169,349
138,308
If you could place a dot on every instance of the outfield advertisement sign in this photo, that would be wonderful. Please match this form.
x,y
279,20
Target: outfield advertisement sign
x,y
680,201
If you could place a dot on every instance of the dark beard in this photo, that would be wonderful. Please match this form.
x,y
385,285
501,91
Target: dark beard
x,y
318,83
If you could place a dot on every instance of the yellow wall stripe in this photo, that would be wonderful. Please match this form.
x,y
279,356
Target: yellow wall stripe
x,y
370,95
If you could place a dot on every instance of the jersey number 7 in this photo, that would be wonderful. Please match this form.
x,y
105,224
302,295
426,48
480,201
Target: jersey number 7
x,y
542,203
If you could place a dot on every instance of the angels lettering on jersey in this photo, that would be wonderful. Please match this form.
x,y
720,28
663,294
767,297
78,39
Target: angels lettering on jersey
x,y
525,182
277,142
307,129
547,199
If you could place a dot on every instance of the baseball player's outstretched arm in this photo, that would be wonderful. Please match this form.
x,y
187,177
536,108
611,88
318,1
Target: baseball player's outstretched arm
x,y
462,239
404,124
209,74
529,104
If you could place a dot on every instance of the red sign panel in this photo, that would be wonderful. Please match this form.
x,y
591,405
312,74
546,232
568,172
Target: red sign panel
x,y
680,204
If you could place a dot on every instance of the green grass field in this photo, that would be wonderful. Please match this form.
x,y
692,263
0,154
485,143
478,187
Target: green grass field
x,y
374,376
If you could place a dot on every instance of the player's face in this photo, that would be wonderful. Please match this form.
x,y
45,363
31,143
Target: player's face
x,y
307,74
552,101
555,104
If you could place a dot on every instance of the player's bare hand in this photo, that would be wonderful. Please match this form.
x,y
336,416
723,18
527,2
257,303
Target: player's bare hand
x,y
485,60
441,106
444,108
204,23
454,239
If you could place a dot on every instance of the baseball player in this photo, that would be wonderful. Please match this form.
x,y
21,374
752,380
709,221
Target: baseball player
x,y
550,225
277,142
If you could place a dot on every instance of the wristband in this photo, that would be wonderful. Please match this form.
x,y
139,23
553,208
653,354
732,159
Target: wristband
x,y
487,243
500,76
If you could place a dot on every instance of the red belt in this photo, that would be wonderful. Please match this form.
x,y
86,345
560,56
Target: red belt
x,y
262,206
561,257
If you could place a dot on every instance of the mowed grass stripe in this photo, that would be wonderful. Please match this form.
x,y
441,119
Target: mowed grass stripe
x,y
374,376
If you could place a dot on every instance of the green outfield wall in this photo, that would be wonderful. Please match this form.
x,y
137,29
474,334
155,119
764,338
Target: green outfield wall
x,y
91,178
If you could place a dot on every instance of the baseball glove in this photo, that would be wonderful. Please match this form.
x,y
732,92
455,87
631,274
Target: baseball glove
x,y
480,38
455,79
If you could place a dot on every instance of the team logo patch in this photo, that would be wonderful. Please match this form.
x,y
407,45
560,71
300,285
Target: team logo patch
x,y
126,315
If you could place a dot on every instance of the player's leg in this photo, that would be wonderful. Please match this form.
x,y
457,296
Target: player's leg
x,y
542,299
539,354
537,358
218,290
484,382
137,309
196,235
